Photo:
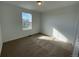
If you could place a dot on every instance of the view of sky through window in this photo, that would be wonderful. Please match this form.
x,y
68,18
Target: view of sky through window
x,y
26,16
26,20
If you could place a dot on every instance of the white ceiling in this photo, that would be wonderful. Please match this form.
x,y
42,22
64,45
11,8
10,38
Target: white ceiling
x,y
47,5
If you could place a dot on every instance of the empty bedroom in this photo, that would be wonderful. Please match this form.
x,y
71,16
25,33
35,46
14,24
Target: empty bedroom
x,y
39,28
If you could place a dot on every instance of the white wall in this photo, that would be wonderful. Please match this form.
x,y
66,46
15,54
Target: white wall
x,y
76,42
11,22
0,39
62,19
0,30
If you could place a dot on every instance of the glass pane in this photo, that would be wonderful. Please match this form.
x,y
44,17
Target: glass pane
x,y
26,21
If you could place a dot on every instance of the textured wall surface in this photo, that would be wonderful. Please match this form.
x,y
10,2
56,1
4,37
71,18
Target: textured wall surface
x,y
12,24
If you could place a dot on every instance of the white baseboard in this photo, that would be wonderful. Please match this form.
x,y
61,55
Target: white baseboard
x,y
17,37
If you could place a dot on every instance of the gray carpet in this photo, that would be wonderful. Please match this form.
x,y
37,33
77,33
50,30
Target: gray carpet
x,y
37,45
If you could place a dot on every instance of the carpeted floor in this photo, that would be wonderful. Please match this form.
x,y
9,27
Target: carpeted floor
x,y
37,45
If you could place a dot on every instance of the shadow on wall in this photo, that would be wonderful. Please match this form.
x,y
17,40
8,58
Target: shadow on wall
x,y
57,39
56,36
59,36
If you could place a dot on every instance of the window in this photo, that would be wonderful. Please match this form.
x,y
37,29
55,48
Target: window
x,y
26,21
